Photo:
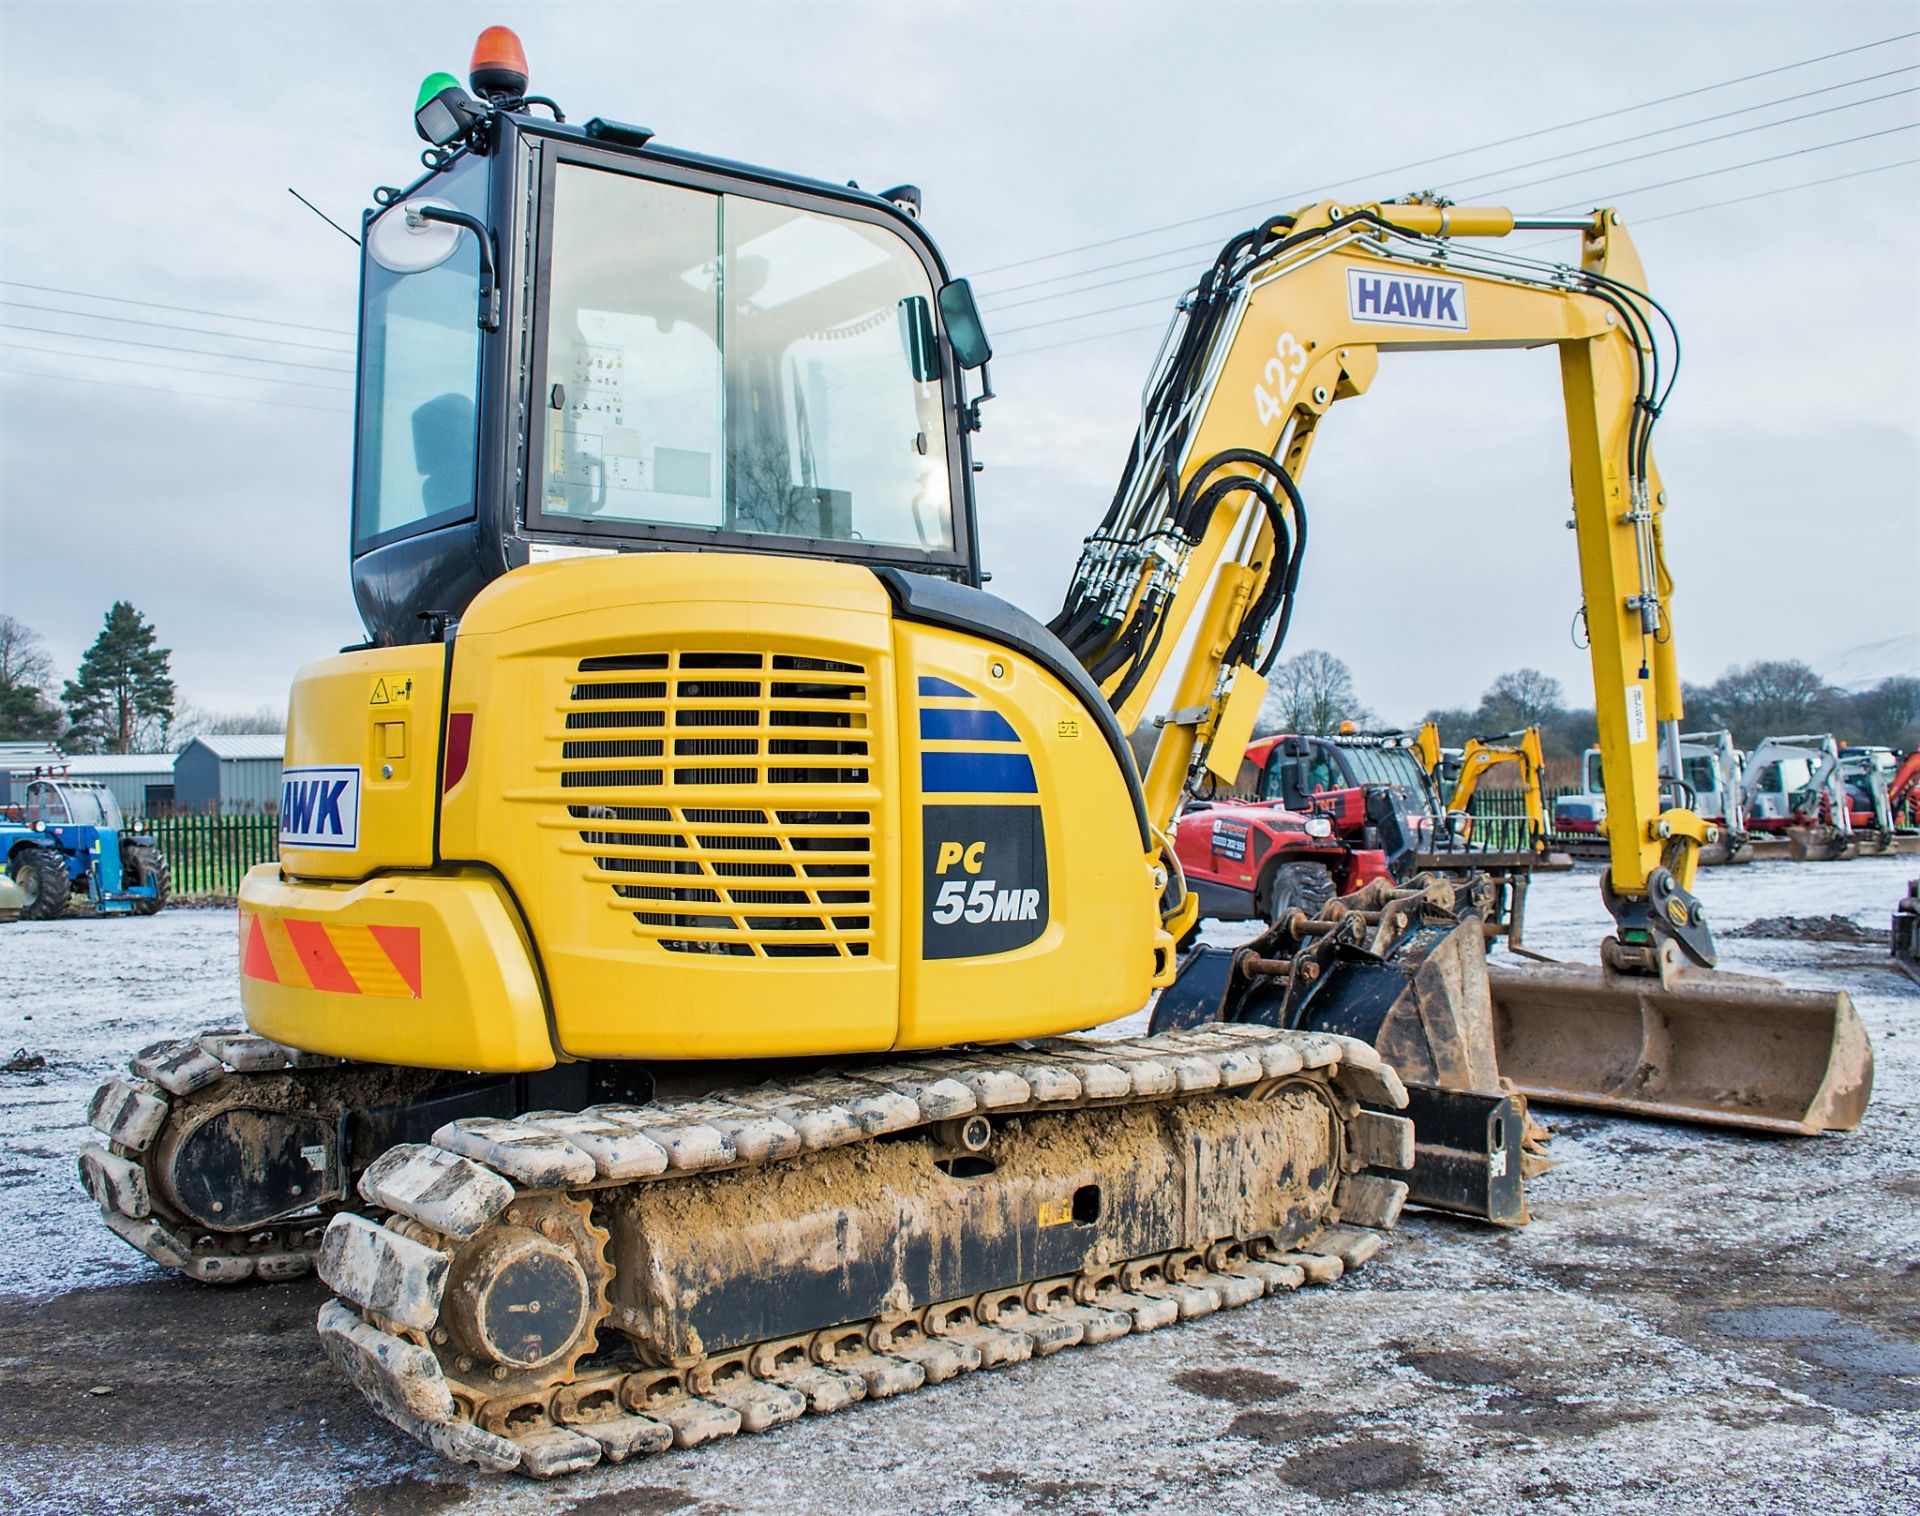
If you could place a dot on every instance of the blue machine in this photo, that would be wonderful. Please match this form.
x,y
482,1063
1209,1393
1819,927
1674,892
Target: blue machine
x,y
68,834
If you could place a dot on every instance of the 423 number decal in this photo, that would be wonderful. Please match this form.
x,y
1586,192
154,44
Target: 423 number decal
x,y
1283,373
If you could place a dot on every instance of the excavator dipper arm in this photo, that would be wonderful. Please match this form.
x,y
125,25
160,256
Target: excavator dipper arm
x,y
1291,319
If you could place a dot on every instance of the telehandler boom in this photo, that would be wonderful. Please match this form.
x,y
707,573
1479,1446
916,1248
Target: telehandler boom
x,y
656,1015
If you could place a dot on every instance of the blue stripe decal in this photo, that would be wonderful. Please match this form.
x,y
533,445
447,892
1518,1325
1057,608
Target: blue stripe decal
x,y
932,686
965,726
977,774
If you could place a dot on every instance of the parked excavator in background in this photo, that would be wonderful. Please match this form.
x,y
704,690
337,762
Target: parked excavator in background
x,y
1903,793
1325,815
1712,779
655,1013
1797,788
1480,756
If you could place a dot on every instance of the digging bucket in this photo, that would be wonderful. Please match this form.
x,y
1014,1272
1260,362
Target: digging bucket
x,y
1687,1045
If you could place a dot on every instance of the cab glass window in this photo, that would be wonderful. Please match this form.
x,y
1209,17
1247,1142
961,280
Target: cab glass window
x,y
419,362
45,806
720,362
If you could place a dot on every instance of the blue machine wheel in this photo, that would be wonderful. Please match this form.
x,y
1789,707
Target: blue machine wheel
x,y
41,873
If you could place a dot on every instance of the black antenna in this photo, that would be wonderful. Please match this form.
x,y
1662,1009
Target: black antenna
x,y
323,215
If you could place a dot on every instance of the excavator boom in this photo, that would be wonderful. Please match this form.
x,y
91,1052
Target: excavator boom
x,y
1209,525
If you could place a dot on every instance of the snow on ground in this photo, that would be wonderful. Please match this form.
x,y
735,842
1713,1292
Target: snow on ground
x,y
1694,1320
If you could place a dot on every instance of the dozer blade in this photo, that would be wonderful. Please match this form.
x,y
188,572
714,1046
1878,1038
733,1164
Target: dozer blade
x,y
1688,1045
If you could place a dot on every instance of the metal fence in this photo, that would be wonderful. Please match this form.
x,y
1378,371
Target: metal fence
x,y
1500,818
209,855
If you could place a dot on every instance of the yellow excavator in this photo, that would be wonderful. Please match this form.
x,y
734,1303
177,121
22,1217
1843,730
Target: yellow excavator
x,y
1482,754
658,1018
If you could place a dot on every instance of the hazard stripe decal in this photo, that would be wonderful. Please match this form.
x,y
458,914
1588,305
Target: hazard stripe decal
x,y
382,961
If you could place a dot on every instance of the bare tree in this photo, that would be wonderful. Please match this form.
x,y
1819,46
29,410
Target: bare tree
x,y
1888,713
1312,694
1770,698
27,711
1524,697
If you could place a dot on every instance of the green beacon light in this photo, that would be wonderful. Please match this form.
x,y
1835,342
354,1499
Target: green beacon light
x,y
443,111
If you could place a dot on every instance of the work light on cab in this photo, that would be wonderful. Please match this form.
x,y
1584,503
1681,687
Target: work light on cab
x,y
443,112
499,68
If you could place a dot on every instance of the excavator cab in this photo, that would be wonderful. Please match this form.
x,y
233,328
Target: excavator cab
x,y
576,341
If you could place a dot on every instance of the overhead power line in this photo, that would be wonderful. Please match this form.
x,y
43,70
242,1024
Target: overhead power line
x,y
1798,152
1582,203
168,347
184,310
179,368
169,326
1678,147
158,389
993,301
1767,194
1714,205
1402,168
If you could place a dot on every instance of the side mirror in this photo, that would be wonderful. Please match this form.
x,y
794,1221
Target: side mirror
x,y
1303,776
916,334
965,331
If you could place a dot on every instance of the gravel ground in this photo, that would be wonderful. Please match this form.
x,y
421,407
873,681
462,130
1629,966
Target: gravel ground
x,y
1694,1321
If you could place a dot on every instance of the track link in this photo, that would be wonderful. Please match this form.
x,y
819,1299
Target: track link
x,y
535,1183
169,1086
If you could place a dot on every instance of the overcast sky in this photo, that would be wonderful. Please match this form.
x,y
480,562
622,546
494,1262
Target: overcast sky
x,y
149,148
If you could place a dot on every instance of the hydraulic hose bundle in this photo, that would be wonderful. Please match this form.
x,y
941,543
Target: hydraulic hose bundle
x,y
1115,611
1114,615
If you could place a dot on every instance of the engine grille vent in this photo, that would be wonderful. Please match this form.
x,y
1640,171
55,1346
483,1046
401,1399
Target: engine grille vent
x,y
727,799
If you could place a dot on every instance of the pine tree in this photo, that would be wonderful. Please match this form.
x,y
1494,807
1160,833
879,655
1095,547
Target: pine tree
x,y
124,689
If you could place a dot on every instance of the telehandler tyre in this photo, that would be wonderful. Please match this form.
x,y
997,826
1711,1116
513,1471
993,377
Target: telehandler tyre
x,y
148,865
1299,886
42,876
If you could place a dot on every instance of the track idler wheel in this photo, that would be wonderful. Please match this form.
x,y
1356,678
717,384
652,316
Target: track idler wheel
x,y
524,1301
